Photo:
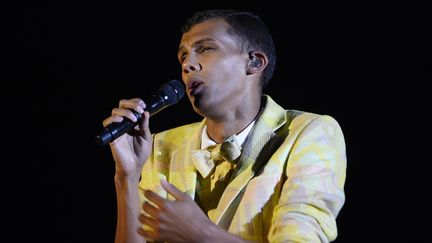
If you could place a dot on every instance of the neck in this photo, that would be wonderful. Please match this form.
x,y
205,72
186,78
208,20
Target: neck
x,y
233,122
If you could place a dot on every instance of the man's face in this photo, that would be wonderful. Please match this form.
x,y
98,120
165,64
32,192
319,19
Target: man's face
x,y
213,68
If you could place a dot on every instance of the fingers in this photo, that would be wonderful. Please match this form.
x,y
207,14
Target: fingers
x,y
127,106
124,113
135,104
111,119
125,109
149,221
150,209
154,198
171,189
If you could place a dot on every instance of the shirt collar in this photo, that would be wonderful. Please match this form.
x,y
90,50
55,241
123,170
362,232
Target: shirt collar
x,y
240,138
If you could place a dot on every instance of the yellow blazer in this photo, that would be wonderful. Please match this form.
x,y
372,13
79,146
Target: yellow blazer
x,y
289,182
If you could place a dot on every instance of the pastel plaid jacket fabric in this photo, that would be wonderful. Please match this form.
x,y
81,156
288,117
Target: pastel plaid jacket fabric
x,y
287,187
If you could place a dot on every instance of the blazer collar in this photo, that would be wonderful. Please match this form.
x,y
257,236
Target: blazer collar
x,y
183,173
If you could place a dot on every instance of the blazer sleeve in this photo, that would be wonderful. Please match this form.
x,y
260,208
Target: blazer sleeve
x,y
313,193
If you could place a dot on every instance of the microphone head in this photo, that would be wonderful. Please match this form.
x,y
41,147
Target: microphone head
x,y
173,91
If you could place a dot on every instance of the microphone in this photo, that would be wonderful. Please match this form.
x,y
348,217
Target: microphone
x,y
168,94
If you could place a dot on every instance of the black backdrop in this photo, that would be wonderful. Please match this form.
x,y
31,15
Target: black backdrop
x,y
73,65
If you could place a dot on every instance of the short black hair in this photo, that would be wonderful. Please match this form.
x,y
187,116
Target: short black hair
x,y
249,29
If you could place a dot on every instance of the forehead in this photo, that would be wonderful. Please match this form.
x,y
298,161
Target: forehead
x,y
213,29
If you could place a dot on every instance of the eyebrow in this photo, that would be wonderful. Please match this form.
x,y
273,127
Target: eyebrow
x,y
199,42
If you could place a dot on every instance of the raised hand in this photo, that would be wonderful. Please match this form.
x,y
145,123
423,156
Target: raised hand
x,y
131,150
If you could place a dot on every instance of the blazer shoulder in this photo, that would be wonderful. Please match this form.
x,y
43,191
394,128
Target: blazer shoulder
x,y
299,120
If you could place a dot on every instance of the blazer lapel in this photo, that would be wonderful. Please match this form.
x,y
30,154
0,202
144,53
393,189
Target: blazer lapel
x,y
182,170
258,147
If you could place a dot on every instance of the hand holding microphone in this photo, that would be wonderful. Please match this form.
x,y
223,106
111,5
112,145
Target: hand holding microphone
x,y
168,94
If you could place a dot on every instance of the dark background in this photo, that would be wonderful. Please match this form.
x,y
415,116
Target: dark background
x,y
72,65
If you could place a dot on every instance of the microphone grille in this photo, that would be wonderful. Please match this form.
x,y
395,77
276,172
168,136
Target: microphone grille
x,y
174,90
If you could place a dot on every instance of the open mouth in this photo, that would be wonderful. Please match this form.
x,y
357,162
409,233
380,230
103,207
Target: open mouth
x,y
195,86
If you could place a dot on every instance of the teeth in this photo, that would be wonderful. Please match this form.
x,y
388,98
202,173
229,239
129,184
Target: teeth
x,y
194,85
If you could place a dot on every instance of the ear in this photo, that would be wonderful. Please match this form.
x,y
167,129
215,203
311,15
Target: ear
x,y
257,62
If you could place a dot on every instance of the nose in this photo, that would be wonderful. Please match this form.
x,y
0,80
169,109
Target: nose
x,y
190,65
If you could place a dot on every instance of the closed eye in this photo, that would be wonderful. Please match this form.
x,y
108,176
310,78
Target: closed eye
x,y
200,50
182,57
203,49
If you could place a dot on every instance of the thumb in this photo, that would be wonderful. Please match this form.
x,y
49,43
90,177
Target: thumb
x,y
144,126
171,189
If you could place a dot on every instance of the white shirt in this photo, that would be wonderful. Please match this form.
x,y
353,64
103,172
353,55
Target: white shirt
x,y
240,138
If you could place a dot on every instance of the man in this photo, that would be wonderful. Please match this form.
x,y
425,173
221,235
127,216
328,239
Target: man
x,y
279,175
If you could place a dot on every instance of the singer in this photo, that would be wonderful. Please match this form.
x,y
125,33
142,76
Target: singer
x,y
249,171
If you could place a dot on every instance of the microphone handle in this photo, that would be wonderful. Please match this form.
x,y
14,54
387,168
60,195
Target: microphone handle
x,y
116,129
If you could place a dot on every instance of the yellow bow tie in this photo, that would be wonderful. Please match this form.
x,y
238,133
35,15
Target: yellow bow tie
x,y
205,159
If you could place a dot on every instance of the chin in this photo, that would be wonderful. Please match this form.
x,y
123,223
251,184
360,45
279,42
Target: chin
x,y
198,104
